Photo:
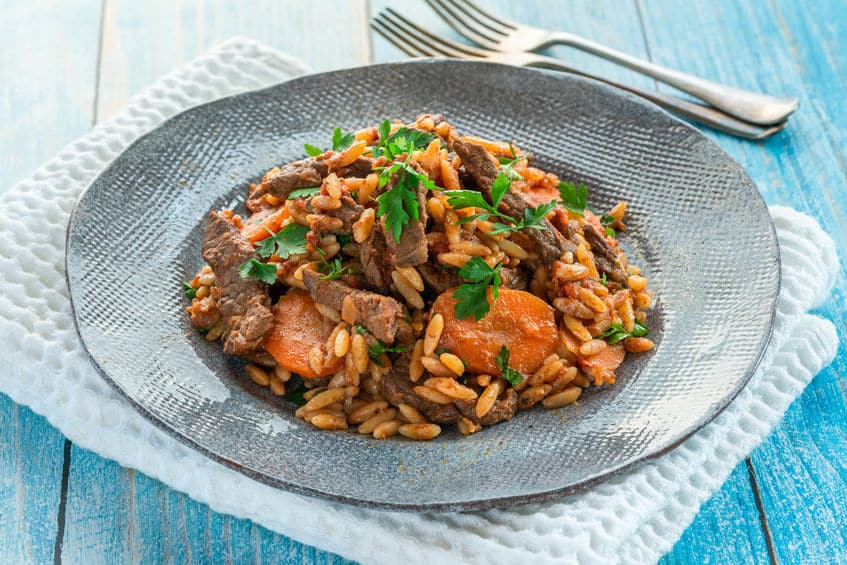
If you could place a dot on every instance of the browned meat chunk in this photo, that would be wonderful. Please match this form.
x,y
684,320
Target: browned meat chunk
x,y
516,279
396,388
478,164
504,408
302,174
348,213
373,253
244,304
437,277
605,258
379,314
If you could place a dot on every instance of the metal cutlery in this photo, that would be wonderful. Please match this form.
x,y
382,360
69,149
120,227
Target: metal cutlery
x,y
416,41
499,34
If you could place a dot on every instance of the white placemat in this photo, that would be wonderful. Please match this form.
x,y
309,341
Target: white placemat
x,y
635,517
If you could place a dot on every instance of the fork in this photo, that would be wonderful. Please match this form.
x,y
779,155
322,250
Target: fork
x,y
499,34
418,42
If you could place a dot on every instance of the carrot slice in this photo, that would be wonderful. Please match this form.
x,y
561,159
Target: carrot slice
x,y
256,226
298,327
519,320
602,367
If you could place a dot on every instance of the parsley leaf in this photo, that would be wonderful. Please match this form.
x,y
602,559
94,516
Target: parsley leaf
x,y
607,220
290,240
341,141
472,298
304,192
333,270
296,396
616,332
404,140
400,204
376,350
610,232
499,188
514,377
254,269
360,329
189,291
603,279
507,164
573,197
311,150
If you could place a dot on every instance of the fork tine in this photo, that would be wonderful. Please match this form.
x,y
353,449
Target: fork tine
x,y
406,31
500,25
461,23
393,37
445,46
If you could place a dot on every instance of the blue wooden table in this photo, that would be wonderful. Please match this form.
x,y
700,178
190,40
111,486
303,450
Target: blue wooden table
x,y
67,65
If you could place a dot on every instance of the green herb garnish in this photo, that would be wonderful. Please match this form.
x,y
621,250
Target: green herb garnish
x,y
403,140
189,291
296,396
603,279
514,377
360,329
616,332
333,270
573,198
253,269
312,151
533,217
507,164
472,297
343,238
400,204
304,192
376,351
290,240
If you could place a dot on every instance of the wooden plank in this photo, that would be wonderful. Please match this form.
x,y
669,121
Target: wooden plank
x,y
796,49
712,535
143,40
47,80
117,515
30,484
47,85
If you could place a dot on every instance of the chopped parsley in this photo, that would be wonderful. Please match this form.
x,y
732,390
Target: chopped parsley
x,y
253,269
573,197
472,297
304,192
603,279
311,150
533,217
514,377
189,291
343,239
333,270
507,163
296,396
400,204
376,351
616,332
404,140
290,240
360,329
340,142
607,222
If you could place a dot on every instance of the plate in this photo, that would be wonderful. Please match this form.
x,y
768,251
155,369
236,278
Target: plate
x,y
697,226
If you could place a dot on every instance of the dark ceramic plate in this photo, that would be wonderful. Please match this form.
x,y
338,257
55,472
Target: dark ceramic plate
x,y
698,227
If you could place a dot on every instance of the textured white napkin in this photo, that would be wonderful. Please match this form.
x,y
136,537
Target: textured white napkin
x,y
635,517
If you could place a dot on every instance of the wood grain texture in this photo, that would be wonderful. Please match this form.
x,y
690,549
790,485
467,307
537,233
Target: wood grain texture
x,y
30,480
143,40
47,80
799,49
47,87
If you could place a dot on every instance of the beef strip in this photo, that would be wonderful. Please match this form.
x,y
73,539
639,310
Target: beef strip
x,y
503,409
477,162
382,315
516,279
373,253
244,304
439,278
396,388
605,258
303,174
411,250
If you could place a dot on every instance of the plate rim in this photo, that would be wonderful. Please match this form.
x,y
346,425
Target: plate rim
x,y
465,505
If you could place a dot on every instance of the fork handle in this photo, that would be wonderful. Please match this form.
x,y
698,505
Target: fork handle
x,y
749,106
691,110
